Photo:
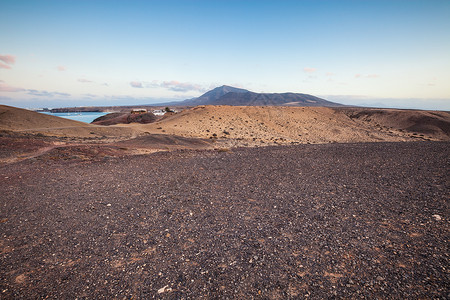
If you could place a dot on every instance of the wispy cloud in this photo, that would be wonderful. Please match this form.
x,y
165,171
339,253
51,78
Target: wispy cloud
x,y
329,74
46,93
61,68
8,59
309,70
90,95
174,86
181,86
83,80
11,89
136,84
3,66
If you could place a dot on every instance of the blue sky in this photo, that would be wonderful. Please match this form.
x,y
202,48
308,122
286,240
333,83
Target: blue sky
x,y
73,53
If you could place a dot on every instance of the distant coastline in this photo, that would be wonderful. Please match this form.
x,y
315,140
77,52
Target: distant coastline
x,y
97,109
84,116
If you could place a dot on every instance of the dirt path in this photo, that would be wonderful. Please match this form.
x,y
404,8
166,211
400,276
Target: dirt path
x,y
319,221
28,155
17,148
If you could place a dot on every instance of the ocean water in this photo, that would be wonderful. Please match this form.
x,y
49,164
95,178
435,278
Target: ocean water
x,y
86,117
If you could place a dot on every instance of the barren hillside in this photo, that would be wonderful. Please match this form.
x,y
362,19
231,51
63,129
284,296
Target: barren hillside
x,y
13,118
22,120
434,124
222,127
240,125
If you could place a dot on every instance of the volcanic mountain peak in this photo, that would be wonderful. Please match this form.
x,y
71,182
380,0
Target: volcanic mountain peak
x,y
228,95
226,89
213,95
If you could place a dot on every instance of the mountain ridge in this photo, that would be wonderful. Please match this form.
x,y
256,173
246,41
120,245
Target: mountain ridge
x,y
228,95
213,95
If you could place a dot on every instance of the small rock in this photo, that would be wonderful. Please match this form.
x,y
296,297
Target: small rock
x,y
109,204
437,217
379,278
164,289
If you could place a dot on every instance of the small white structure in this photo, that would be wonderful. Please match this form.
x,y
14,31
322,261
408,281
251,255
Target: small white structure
x,y
138,111
159,112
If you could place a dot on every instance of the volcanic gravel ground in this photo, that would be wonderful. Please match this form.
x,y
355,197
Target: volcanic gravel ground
x,y
320,221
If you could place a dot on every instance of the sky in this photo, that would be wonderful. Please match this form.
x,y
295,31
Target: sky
x,y
98,53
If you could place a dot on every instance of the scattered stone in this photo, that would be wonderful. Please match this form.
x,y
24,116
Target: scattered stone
x,y
437,217
164,289
239,246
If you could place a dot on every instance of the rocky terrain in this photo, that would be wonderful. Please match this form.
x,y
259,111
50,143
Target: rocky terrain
x,y
177,210
366,220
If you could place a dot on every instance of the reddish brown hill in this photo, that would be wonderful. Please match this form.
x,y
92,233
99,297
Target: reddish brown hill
x,y
125,118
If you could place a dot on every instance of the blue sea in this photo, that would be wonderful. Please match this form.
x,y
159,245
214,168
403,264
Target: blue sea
x,y
86,117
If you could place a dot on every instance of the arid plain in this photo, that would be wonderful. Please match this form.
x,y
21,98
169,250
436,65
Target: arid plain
x,y
222,127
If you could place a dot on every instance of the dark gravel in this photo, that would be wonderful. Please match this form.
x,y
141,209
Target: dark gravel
x,y
319,221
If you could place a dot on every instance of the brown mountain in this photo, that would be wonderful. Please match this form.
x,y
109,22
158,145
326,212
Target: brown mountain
x,y
227,95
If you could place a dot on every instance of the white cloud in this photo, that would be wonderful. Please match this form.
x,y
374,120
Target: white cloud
x,y
8,59
173,85
181,86
309,70
136,84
